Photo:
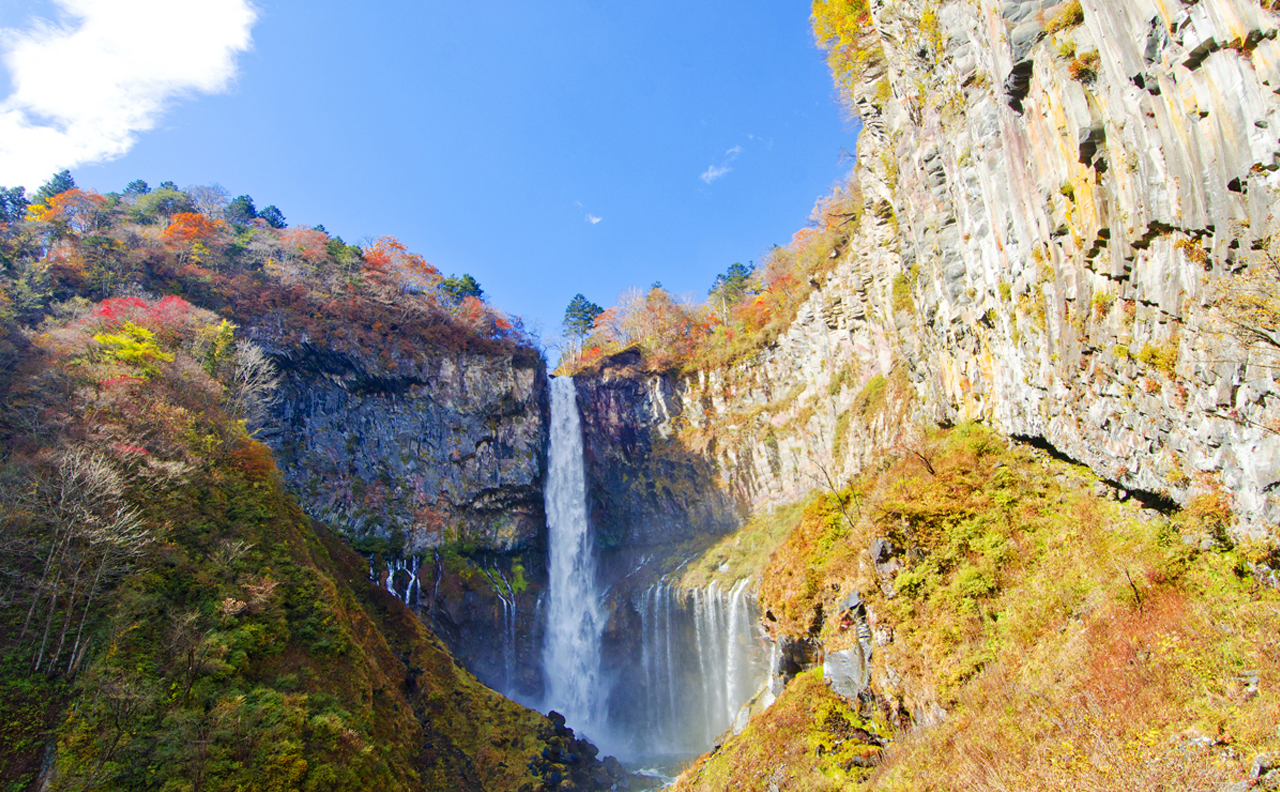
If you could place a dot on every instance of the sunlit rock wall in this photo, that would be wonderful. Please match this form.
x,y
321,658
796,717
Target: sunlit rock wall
x,y
1064,241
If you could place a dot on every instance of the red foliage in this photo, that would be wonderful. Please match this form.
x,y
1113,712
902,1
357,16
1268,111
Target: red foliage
x,y
306,243
169,312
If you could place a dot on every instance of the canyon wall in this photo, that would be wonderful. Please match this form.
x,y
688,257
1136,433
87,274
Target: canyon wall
x,y
1060,220
447,447
644,487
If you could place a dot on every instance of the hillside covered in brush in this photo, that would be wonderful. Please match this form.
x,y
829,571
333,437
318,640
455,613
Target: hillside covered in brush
x,y
171,619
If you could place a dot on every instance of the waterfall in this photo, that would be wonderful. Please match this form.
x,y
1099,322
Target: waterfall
x,y
507,596
401,579
571,655
702,656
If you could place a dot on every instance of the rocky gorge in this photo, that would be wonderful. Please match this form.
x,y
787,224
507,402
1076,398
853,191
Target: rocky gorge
x,y
1059,210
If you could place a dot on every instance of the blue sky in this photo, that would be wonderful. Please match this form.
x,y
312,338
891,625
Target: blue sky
x,y
486,136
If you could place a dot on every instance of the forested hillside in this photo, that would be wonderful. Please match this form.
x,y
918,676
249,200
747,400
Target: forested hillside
x,y
170,617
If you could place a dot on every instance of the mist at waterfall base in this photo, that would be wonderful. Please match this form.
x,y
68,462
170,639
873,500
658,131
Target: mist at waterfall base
x,y
659,697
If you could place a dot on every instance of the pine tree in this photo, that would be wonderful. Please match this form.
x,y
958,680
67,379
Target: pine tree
x,y
580,316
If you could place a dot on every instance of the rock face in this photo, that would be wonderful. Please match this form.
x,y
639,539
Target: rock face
x,y
435,466
1053,213
644,487
449,448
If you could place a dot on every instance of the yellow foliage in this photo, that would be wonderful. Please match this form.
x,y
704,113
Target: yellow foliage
x,y
133,345
843,29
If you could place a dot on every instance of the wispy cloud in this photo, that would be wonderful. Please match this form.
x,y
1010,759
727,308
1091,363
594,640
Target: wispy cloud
x,y
85,86
714,172
590,218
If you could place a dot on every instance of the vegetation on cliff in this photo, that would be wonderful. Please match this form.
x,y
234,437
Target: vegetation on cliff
x,y
746,309
290,285
170,618
1052,634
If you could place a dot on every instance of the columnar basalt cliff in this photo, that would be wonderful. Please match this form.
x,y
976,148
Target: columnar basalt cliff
x,y
435,466
1058,205
447,447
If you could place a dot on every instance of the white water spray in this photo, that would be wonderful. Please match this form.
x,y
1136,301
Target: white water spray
x,y
703,656
571,656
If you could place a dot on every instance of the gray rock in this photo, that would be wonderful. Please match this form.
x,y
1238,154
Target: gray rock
x,y
882,550
1262,764
847,672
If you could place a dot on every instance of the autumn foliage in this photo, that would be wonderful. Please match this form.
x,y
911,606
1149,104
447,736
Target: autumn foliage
x,y
285,286
75,210
746,309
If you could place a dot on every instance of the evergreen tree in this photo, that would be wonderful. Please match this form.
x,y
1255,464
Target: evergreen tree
x,y
273,217
241,210
580,316
13,204
734,283
460,288
60,183
137,187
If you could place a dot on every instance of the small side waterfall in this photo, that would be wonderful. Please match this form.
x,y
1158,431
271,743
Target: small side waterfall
x,y
401,580
507,596
571,654
703,655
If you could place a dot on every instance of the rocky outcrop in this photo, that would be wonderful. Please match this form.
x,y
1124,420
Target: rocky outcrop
x,y
448,447
644,487
1056,211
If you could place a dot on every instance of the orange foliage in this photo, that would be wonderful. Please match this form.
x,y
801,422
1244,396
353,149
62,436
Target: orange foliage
x,y
305,243
800,239
389,262
75,209
254,458
189,228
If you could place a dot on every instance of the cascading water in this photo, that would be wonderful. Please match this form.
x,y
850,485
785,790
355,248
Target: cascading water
x,y
507,596
703,655
400,580
571,654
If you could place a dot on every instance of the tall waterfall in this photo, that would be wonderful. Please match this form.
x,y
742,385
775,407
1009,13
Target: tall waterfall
x,y
571,654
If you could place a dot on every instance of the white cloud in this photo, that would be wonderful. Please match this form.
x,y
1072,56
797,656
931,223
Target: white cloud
x,y
592,219
86,86
734,152
713,173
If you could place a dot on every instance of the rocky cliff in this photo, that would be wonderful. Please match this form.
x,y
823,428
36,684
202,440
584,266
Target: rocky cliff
x,y
644,487
1061,205
433,466
447,447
